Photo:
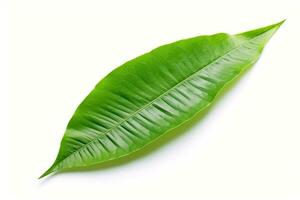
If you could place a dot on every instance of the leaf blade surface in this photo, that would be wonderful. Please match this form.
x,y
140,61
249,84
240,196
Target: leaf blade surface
x,y
148,96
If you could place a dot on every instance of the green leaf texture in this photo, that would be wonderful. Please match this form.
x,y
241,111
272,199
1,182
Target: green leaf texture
x,y
146,97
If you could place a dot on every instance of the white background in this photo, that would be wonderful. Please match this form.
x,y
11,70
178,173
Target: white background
x,y
54,52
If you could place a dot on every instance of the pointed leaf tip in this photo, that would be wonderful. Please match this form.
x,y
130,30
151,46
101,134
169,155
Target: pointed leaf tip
x,y
46,173
277,25
280,23
271,29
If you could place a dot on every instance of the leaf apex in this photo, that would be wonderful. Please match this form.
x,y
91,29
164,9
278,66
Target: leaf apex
x,y
281,22
270,29
277,25
49,171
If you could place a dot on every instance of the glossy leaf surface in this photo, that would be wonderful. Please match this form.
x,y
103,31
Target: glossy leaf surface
x,y
154,93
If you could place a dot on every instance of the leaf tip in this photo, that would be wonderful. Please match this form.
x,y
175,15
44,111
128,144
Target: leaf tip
x,y
277,25
46,173
267,30
281,22
273,28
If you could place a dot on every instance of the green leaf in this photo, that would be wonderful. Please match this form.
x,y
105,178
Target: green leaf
x,y
146,97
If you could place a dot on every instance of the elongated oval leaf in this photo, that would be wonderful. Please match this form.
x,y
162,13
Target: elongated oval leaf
x,y
151,94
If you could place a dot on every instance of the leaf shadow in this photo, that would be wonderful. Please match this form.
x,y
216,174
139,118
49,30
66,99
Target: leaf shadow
x,y
169,137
